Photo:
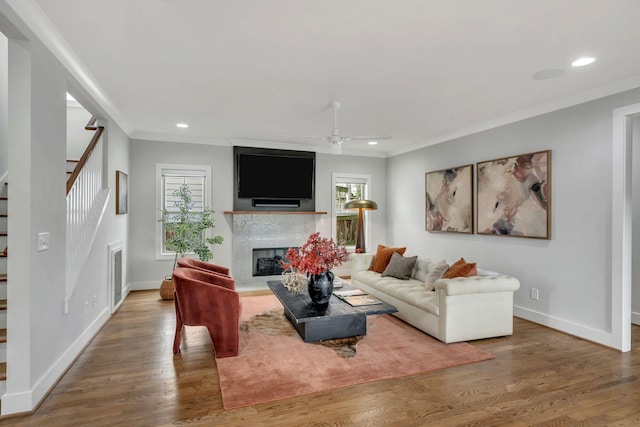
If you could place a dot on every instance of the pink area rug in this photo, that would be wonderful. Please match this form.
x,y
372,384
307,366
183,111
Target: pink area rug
x,y
274,367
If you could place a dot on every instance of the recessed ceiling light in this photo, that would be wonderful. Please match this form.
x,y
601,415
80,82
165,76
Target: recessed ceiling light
x,y
373,142
581,62
182,125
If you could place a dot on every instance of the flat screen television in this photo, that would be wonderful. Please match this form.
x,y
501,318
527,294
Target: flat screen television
x,y
272,178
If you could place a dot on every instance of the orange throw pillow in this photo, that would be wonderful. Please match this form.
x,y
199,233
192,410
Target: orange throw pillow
x,y
461,268
382,257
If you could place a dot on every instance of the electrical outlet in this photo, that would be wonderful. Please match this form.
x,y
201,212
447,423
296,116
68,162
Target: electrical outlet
x,y
43,241
535,294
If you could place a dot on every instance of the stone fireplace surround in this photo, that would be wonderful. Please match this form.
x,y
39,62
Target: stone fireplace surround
x,y
253,230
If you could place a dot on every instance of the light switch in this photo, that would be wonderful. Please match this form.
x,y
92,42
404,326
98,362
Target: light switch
x,y
43,241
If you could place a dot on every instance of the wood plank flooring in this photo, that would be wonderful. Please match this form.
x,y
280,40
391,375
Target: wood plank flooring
x,y
540,377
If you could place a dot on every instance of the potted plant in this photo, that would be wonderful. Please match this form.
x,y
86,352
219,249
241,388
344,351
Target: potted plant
x,y
185,231
316,258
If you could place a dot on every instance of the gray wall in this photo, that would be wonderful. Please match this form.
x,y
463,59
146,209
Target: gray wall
x,y
43,340
573,269
327,164
147,273
78,137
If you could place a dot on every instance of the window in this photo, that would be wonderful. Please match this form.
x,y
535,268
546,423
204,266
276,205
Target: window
x,y
348,187
169,178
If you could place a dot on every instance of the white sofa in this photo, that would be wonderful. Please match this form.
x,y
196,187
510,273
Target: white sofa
x,y
459,309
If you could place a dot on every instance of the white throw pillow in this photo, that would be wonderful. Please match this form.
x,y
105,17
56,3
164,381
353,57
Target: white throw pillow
x,y
436,270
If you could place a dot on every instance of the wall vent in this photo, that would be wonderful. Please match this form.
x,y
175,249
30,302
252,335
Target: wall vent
x,y
115,275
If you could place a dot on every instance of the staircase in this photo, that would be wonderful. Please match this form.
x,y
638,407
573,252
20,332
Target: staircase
x,y
71,165
3,286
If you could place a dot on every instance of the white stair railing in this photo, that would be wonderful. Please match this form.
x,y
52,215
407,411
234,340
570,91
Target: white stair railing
x,y
86,204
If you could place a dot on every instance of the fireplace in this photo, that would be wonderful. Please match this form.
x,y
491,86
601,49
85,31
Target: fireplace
x,y
268,261
254,232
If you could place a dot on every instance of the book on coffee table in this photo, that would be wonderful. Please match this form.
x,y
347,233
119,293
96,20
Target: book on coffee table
x,y
360,300
348,292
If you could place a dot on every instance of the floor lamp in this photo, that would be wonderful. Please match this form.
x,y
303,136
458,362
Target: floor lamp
x,y
361,205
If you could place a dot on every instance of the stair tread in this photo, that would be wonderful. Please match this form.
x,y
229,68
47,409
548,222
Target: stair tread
x,y
3,371
3,335
3,304
3,277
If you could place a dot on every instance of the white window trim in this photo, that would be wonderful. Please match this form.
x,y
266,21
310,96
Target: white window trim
x,y
340,176
179,169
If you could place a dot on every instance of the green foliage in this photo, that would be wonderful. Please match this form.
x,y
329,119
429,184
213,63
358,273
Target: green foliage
x,y
185,228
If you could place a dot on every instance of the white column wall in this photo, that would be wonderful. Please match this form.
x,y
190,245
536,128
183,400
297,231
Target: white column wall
x,y
4,126
635,188
42,341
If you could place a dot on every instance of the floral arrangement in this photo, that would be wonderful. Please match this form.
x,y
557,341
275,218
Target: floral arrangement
x,y
316,256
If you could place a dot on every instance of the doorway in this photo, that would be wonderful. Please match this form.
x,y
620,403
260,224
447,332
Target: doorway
x,y
635,221
622,224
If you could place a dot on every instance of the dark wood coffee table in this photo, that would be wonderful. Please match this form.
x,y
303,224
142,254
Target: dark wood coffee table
x,y
337,320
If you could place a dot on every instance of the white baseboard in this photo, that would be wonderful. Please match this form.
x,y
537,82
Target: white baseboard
x,y
635,318
576,329
27,401
144,286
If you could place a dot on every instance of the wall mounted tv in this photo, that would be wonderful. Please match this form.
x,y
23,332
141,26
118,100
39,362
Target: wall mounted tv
x,y
267,179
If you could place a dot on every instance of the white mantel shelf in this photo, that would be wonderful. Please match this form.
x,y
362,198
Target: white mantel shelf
x,y
271,213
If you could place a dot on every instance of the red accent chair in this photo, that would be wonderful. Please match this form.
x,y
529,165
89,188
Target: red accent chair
x,y
210,300
201,265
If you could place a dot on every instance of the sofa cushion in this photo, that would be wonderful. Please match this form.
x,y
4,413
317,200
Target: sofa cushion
x,y
421,269
408,291
382,257
461,268
436,271
400,267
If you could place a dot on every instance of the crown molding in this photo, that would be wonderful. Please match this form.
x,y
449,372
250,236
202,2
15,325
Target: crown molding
x,y
42,28
555,105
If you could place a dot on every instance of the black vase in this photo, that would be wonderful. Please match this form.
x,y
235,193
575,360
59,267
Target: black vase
x,y
320,287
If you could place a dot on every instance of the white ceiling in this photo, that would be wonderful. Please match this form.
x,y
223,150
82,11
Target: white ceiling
x,y
423,71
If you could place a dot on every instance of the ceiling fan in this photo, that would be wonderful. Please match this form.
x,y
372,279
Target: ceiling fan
x,y
336,139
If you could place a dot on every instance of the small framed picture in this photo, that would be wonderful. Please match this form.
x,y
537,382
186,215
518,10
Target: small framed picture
x,y
121,193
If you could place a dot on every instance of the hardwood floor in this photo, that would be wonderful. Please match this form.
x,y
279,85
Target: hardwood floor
x,y
539,377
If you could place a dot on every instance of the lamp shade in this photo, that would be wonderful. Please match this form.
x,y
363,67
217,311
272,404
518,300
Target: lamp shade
x,y
367,205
